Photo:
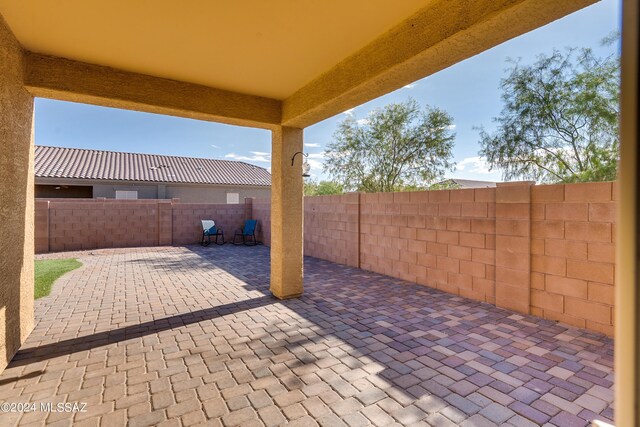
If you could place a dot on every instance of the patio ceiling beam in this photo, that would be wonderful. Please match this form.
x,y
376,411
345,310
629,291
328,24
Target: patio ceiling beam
x,y
67,80
439,35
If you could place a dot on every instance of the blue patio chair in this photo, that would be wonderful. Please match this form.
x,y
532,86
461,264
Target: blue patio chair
x,y
209,229
248,233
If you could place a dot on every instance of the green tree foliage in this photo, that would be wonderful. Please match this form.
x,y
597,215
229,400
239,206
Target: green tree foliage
x,y
399,146
560,119
314,188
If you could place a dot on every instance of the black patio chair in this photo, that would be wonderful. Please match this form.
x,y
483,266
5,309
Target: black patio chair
x,y
209,229
248,233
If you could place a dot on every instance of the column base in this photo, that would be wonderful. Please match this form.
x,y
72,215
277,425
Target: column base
x,y
284,297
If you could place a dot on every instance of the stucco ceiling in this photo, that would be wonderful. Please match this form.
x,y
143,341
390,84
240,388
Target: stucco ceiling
x,y
258,47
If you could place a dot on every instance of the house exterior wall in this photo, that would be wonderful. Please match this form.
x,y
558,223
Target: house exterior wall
x,y
16,199
67,192
217,194
188,193
145,191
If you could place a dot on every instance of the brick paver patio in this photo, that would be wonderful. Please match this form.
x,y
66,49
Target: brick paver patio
x,y
181,336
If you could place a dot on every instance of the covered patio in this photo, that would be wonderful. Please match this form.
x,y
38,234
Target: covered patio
x,y
190,335
280,66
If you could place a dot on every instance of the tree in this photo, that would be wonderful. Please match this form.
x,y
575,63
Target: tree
x,y
313,188
560,119
396,147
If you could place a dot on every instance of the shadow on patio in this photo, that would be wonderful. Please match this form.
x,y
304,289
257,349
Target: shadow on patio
x,y
198,327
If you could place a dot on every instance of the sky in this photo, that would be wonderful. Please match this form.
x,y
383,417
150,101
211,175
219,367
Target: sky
x,y
469,91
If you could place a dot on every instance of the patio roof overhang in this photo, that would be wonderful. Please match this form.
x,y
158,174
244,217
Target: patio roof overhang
x,y
278,65
255,63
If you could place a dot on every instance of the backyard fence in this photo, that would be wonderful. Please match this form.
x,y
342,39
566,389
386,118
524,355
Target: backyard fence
x,y
546,250
78,224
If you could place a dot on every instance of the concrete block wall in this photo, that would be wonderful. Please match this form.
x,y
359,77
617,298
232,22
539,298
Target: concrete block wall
x,y
573,253
331,228
79,224
443,239
513,246
186,218
98,223
41,224
165,222
546,250
262,212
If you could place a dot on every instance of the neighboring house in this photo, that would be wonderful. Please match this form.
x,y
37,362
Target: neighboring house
x,y
79,173
465,183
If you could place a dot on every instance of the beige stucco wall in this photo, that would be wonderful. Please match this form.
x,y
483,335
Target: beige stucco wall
x,y
145,191
286,214
187,193
16,200
207,194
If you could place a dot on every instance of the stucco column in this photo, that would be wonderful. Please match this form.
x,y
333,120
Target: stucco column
x,y
16,200
286,213
627,288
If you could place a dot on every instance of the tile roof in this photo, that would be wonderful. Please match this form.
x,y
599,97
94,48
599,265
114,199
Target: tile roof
x,y
58,162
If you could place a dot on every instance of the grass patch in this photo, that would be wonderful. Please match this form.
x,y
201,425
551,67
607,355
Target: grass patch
x,y
49,270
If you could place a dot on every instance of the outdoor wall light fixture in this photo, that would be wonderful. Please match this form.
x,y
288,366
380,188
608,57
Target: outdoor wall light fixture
x,y
305,165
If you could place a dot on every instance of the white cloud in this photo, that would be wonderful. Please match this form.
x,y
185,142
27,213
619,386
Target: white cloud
x,y
362,122
451,127
474,164
311,144
410,86
315,164
349,112
316,160
257,156
214,146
